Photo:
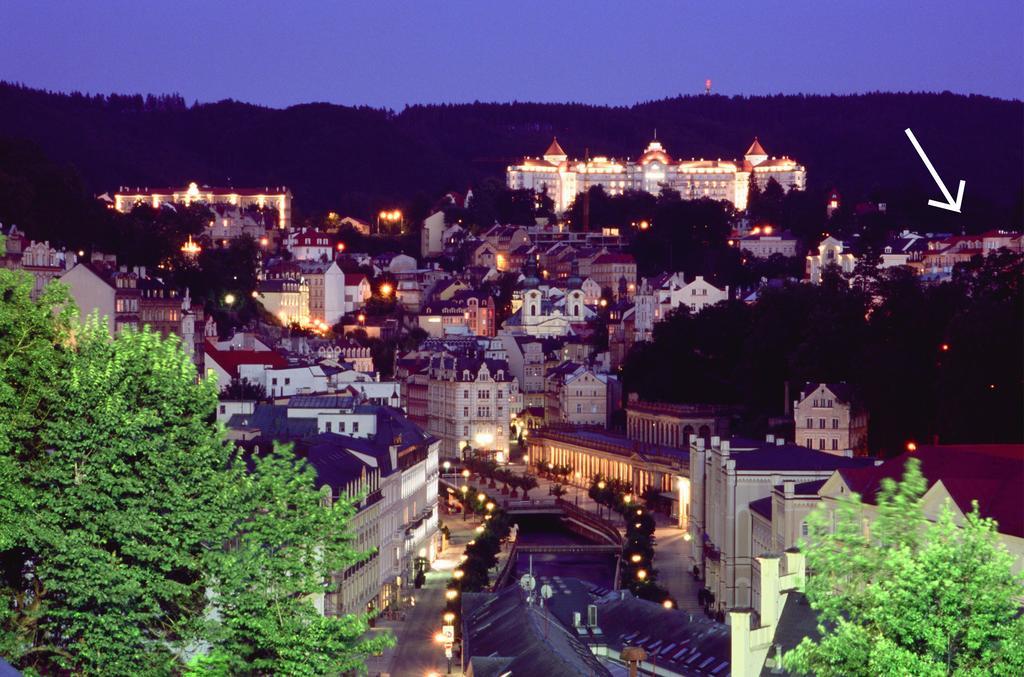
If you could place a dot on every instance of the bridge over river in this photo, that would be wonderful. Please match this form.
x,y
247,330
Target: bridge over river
x,y
558,538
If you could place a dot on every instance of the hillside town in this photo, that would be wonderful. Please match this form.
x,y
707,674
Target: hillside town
x,y
491,373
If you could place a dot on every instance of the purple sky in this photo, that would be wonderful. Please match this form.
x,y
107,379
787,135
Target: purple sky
x,y
389,54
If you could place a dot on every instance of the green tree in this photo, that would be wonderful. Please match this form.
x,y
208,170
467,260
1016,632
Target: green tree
x,y
290,539
122,516
905,596
121,488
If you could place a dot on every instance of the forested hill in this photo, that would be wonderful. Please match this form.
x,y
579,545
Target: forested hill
x,y
355,159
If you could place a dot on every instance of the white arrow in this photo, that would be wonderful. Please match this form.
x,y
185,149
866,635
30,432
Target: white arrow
x,y
950,204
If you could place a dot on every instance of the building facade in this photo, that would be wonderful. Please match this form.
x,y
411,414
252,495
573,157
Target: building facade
x,y
470,403
829,417
563,179
675,425
726,477
278,198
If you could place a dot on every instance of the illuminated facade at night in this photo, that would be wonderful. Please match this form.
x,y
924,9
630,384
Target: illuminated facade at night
x,y
278,198
564,179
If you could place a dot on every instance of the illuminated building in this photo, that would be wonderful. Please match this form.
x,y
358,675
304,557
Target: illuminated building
x,y
719,179
658,296
727,479
828,417
286,298
763,242
278,198
831,252
470,402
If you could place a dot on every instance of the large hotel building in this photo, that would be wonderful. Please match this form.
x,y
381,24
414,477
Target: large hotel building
x,y
278,198
563,178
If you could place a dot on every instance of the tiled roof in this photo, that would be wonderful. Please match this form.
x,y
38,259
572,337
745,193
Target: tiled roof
x,y
520,639
842,391
755,148
614,257
792,457
763,507
273,422
991,474
555,148
230,360
321,402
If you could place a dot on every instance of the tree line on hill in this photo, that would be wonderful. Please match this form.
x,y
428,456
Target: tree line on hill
x,y
360,160
929,360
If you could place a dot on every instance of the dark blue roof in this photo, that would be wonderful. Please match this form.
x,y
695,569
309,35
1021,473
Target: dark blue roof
x,y
272,421
791,457
762,506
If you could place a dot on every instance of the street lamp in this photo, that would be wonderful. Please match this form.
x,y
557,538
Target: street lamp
x,y
446,465
450,594
641,574
458,574
386,289
465,503
229,299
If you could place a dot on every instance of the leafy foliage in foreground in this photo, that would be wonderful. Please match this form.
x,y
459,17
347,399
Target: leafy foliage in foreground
x,y
908,596
122,515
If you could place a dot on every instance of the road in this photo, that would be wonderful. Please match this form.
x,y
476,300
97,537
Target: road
x,y
415,652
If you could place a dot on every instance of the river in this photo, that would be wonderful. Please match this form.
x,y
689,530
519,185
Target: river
x,y
597,569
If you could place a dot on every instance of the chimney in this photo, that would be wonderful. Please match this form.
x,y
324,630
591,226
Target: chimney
x,y
785,399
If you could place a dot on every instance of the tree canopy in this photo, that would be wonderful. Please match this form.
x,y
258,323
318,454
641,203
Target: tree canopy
x,y
897,594
927,359
123,513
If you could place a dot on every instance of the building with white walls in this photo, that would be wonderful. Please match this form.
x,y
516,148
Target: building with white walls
x,y
564,178
277,198
660,295
726,476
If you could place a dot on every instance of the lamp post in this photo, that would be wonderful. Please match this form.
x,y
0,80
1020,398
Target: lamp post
x,y
448,631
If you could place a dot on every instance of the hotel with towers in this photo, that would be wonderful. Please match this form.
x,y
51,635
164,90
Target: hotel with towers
x,y
564,179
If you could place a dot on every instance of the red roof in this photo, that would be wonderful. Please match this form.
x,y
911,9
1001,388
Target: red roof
x,y
230,360
991,474
308,238
755,148
614,257
354,279
554,148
